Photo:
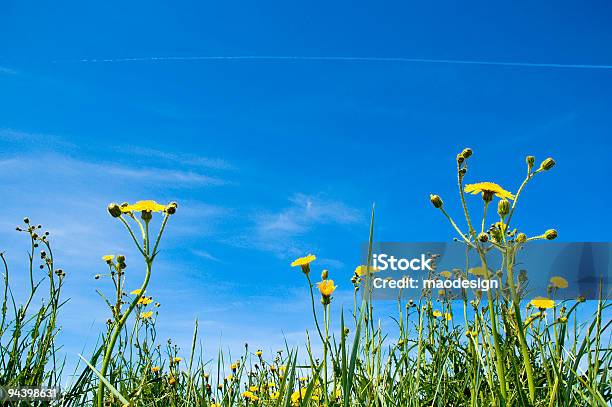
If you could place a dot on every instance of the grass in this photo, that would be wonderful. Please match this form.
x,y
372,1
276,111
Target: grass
x,y
495,352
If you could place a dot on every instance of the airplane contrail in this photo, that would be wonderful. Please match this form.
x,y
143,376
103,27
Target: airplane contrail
x,y
338,59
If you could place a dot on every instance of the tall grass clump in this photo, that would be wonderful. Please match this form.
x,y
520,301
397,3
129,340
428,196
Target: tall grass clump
x,y
500,348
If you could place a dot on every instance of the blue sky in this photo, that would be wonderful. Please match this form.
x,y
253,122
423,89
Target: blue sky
x,y
270,159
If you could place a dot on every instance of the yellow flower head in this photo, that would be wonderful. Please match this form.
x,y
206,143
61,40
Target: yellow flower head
x,y
448,316
147,206
177,359
171,380
446,274
254,389
108,258
542,303
234,366
363,270
136,291
145,300
250,395
155,369
274,395
298,396
147,314
488,189
258,353
326,287
304,262
479,271
559,282
437,314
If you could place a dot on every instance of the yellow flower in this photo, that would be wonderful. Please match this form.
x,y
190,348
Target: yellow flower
x,y
171,380
446,274
258,353
274,395
136,291
488,189
559,282
147,206
155,369
234,366
326,287
304,262
448,316
108,258
298,396
147,314
363,270
479,271
437,314
215,405
145,300
271,385
177,359
254,389
542,303
229,377
249,395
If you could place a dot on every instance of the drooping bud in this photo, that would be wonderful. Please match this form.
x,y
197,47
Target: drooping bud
x,y
483,237
436,201
503,207
171,209
460,159
324,274
550,234
547,164
466,153
114,210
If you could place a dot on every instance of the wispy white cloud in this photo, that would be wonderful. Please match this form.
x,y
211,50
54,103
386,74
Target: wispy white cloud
x,y
205,255
8,71
66,166
282,232
178,158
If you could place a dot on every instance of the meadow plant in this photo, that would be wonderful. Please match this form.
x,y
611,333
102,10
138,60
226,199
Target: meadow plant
x,y
500,348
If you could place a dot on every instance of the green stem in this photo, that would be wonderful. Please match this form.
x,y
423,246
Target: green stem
x,y
519,323
117,330
499,359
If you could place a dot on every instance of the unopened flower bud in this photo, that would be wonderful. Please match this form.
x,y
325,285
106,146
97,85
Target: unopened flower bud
x,y
521,238
436,201
26,220
547,164
171,208
146,215
97,276
120,258
530,160
324,274
460,159
114,210
483,237
550,234
503,207
466,153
